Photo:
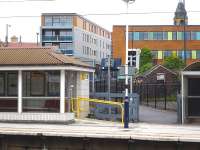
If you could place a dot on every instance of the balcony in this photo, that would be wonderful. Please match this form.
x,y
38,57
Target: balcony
x,y
57,38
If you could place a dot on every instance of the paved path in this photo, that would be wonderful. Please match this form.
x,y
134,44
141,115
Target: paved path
x,y
107,130
151,115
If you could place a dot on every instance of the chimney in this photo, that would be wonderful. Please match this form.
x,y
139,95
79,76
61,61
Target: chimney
x,y
14,39
20,40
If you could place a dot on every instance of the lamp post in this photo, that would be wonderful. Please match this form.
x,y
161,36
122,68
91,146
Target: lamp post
x,y
184,36
37,34
6,39
126,101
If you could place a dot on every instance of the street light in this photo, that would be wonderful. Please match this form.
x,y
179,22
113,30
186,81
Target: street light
x,y
126,101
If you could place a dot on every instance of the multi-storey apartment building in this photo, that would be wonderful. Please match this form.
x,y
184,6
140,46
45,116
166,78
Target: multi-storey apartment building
x,y
180,39
75,36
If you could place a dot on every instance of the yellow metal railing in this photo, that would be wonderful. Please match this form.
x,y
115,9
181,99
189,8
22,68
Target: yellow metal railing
x,y
76,106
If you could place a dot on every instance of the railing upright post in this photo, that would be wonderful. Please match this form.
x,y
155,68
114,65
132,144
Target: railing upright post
x,y
155,92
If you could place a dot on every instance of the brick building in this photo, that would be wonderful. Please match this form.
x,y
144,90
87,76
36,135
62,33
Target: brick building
x,y
180,39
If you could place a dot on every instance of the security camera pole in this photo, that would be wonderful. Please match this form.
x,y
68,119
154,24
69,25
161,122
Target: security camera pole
x,y
126,101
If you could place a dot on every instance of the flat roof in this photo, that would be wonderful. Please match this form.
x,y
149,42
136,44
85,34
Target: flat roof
x,y
74,14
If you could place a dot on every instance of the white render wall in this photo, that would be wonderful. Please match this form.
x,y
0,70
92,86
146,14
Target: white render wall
x,y
83,91
79,43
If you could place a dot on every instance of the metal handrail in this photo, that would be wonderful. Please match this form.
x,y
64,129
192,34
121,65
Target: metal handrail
x,y
79,99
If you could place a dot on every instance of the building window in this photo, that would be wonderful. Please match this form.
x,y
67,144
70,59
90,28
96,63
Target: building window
x,y
179,35
66,46
174,36
136,36
193,36
150,35
154,54
198,54
197,35
165,35
145,35
47,44
12,79
167,54
155,35
48,21
2,84
141,37
53,83
160,35
37,84
188,35
188,54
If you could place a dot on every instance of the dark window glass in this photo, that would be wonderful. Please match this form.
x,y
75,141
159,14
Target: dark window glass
x,y
165,35
174,36
160,36
145,35
154,54
48,20
53,83
198,54
12,84
141,36
37,84
193,36
155,35
187,35
188,54
167,54
2,84
130,36
181,54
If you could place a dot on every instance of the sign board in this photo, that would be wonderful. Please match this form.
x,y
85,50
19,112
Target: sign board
x,y
84,76
160,76
131,71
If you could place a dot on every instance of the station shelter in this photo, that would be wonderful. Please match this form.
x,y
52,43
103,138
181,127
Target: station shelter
x,y
37,83
190,92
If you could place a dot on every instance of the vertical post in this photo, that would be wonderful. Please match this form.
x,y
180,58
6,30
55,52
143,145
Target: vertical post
x,y
109,77
6,39
126,101
93,89
182,98
62,92
184,35
37,38
155,88
19,91
165,92
147,94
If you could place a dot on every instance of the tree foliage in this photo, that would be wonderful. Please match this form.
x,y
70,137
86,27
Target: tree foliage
x,y
145,56
173,63
145,60
145,67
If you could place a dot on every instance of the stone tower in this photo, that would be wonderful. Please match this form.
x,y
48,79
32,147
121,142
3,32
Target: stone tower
x,y
180,14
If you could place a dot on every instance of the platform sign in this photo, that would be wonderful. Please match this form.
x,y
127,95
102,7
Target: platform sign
x,y
131,71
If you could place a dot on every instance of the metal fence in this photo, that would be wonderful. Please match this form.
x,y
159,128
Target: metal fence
x,y
158,95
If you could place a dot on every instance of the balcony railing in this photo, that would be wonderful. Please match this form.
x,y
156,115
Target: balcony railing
x,y
56,38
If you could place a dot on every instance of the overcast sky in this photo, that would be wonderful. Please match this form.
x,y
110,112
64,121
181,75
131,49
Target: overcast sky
x,y
28,26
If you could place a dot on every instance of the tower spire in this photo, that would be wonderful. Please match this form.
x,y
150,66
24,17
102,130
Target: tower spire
x,y
180,17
